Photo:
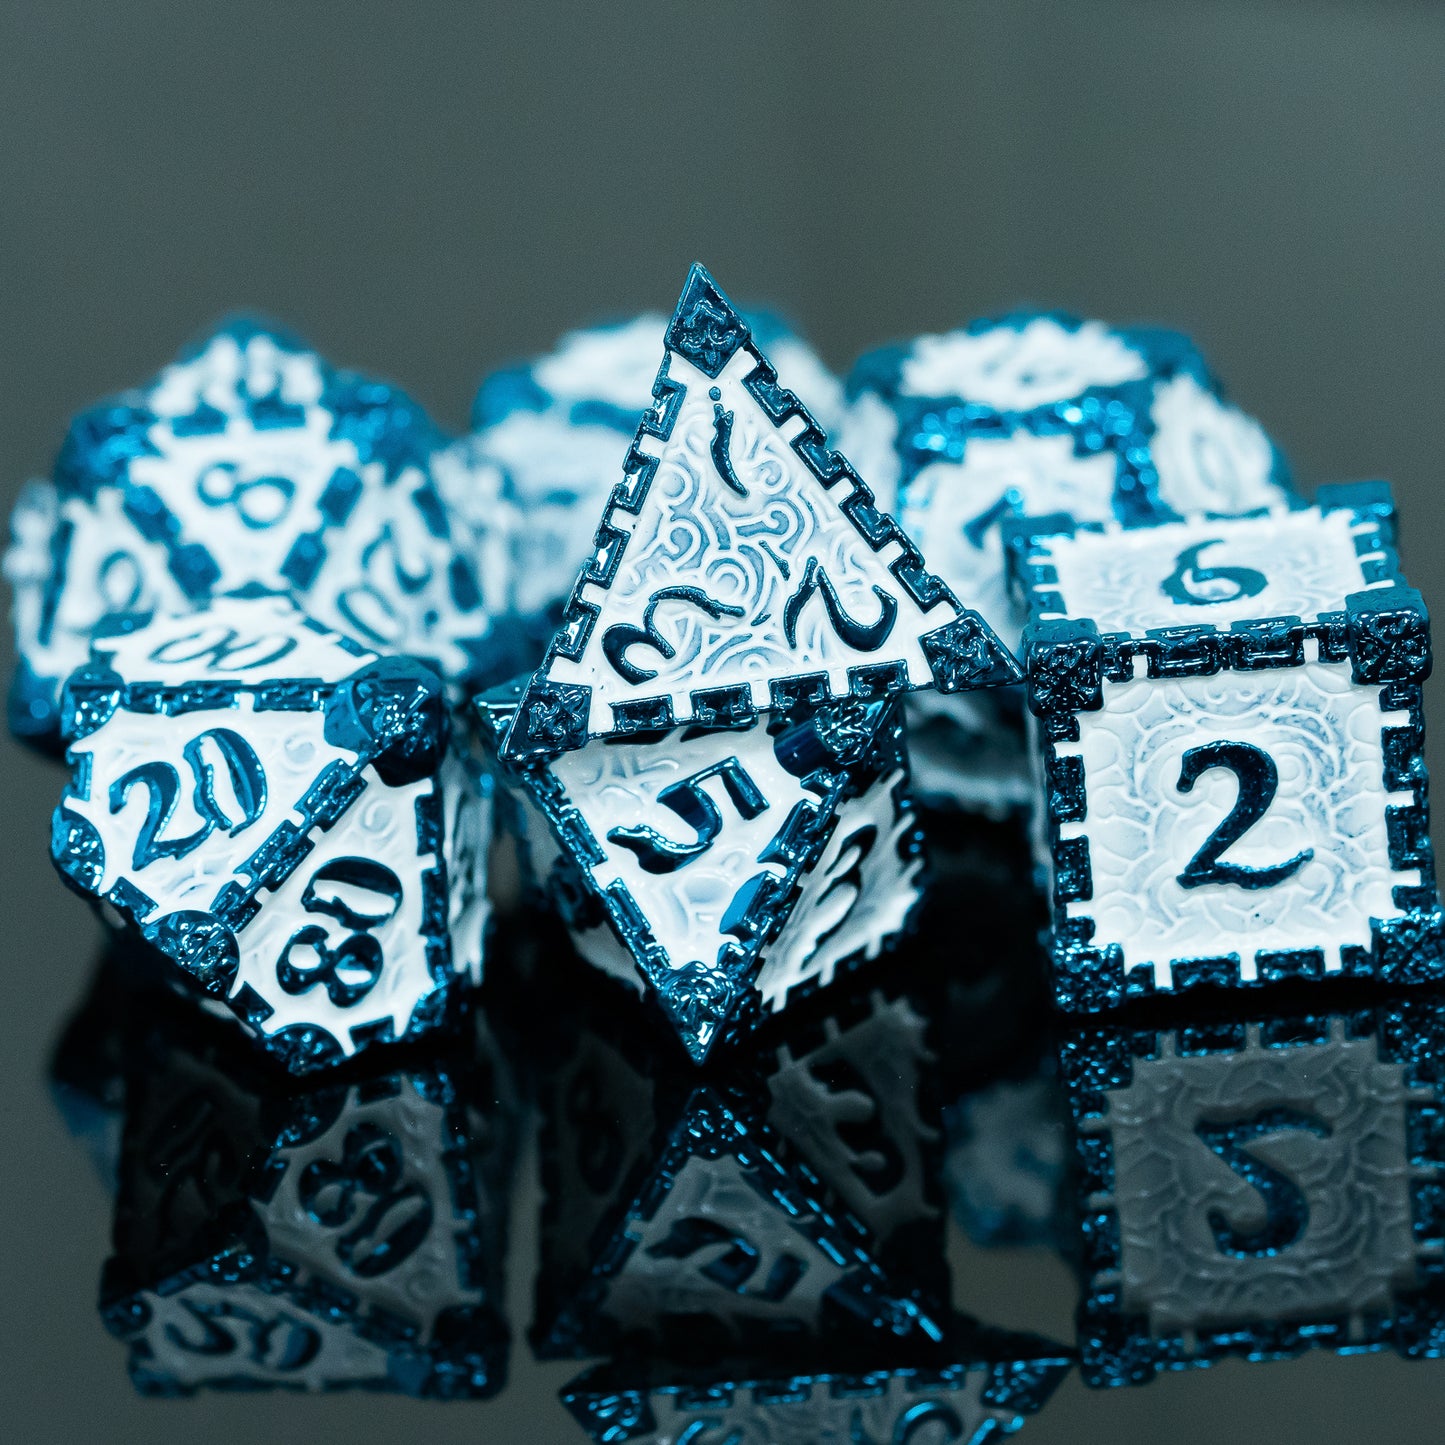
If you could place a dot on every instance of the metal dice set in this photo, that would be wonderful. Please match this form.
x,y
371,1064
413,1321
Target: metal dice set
x,y
639,701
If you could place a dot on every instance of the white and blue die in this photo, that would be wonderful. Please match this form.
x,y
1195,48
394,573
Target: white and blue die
x,y
249,460
279,812
1024,415
1229,720
559,430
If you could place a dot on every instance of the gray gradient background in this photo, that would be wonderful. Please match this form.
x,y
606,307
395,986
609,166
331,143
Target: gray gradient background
x,y
427,192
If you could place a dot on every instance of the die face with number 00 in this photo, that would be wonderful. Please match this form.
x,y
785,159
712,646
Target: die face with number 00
x,y
1229,718
270,805
1259,1186
1028,414
249,460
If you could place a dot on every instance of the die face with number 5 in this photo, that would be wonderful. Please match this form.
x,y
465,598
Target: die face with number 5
x,y
1230,730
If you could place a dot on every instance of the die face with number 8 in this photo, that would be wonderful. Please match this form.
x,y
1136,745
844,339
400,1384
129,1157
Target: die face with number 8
x,y
1229,722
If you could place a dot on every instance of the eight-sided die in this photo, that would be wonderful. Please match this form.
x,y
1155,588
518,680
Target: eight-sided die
x,y
1259,1186
1229,721
279,812
247,461
735,864
791,1196
976,1385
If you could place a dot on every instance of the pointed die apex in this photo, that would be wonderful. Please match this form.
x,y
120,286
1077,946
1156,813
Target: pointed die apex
x,y
706,328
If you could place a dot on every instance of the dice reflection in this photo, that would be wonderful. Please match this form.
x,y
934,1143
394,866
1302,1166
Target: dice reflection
x,y
1260,1186
349,1236
787,1197
972,1385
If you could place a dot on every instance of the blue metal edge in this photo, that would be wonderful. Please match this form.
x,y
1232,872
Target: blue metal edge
x,y
1118,1349
708,331
1101,418
1382,632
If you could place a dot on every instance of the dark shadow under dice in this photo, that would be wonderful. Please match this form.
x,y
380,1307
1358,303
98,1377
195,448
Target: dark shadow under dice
x,y
790,1196
352,1236
1259,1187
973,1385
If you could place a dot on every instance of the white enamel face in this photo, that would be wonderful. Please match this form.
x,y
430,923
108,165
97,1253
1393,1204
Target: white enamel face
x,y
1304,742
339,944
227,370
894,1408
1016,368
868,436
246,492
955,511
205,1334
1216,572
242,640
683,884
259,765
381,1172
612,364
1209,456
855,898
777,581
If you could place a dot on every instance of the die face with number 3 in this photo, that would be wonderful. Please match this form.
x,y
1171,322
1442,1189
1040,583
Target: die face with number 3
x,y
269,805
1229,713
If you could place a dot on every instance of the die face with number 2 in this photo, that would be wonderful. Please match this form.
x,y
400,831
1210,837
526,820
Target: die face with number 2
x,y
1233,782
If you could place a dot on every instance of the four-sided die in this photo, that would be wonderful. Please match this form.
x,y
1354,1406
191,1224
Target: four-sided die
x,y
247,461
739,562
557,433
278,811
1229,720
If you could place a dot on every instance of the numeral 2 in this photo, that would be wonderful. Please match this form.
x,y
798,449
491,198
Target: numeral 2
x,y
248,785
1258,782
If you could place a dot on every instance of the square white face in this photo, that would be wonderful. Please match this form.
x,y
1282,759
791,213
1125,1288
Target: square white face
x,y
1234,814
1202,572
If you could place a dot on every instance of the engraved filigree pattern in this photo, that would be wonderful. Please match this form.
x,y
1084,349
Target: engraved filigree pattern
x,y
1133,579
748,554
1016,368
954,510
1209,456
1355,1245
1323,735
616,786
855,898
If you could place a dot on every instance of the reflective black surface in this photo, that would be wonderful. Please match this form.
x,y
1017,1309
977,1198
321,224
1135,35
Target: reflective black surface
x,y
431,195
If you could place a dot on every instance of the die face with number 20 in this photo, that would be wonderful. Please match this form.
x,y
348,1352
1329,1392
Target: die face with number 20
x,y
1229,715
274,808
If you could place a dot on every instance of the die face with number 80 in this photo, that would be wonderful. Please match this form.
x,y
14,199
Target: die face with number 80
x,y
1229,718
269,804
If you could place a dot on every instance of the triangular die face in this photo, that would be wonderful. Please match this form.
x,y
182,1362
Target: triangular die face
x,y
723,1238
739,559
695,842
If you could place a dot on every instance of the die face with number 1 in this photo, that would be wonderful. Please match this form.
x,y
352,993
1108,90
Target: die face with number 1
x,y
1229,718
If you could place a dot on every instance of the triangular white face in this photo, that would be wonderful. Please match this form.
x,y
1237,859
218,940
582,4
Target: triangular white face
x,y
740,563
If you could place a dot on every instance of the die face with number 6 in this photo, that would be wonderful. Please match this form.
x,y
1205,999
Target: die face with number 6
x,y
1229,722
